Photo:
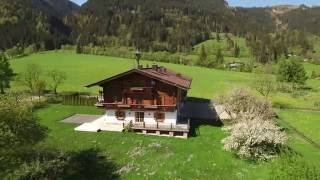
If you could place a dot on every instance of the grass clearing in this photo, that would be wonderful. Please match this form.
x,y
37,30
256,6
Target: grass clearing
x,y
154,157
207,83
199,157
307,122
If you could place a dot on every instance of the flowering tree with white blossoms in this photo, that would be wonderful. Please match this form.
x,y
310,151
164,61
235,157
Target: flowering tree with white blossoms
x,y
253,133
255,139
239,104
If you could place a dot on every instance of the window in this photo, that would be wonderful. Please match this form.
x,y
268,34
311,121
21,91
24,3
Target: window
x,y
159,116
120,115
139,116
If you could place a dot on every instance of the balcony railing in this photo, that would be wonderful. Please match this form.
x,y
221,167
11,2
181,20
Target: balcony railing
x,y
136,106
159,126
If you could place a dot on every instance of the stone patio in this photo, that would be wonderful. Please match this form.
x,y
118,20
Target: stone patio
x,y
81,118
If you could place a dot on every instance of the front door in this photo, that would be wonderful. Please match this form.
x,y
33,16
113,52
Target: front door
x,y
139,116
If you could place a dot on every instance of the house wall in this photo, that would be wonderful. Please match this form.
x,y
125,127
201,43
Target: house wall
x,y
170,117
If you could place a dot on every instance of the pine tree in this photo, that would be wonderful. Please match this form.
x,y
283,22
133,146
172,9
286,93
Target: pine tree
x,y
218,37
219,57
202,61
79,44
6,73
236,50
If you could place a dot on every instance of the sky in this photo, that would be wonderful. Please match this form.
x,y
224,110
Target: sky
x,y
262,3
80,2
256,3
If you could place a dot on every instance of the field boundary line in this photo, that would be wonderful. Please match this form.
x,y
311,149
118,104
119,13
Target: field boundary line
x,y
300,134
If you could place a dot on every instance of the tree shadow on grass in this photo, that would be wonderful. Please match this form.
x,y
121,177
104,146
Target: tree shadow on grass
x,y
53,164
91,164
201,112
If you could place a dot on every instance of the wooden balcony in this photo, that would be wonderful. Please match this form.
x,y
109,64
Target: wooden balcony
x,y
170,108
160,129
162,126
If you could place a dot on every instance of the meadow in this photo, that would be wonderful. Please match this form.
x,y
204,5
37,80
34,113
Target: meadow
x,y
207,83
307,122
148,157
151,157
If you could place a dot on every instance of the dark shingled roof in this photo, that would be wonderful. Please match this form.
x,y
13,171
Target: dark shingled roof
x,y
160,73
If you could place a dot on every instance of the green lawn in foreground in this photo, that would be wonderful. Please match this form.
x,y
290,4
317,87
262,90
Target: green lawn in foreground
x,y
199,157
207,83
307,122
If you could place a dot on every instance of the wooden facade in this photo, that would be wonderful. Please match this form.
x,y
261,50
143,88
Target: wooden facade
x,y
149,99
138,91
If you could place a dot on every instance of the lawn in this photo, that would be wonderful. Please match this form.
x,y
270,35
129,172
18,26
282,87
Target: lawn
x,y
207,83
200,157
307,122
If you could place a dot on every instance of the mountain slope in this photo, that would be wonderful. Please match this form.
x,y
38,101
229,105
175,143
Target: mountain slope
x,y
30,21
62,7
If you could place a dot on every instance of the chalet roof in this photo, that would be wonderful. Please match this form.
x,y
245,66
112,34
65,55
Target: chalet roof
x,y
159,73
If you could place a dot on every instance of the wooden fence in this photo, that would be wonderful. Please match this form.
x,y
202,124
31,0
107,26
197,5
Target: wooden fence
x,y
79,100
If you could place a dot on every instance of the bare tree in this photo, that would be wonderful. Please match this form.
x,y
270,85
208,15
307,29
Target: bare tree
x,y
40,86
264,84
31,77
56,79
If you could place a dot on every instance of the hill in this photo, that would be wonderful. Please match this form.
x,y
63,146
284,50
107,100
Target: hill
x,y
25,22
207,83
157,25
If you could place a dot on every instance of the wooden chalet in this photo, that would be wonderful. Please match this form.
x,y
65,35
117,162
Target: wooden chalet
x,y
147,99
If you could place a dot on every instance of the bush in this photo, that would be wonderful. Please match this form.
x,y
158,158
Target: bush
x,y
128,127
291,72
257,139
18,124
317,104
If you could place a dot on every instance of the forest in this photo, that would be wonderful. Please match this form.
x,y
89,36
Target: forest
x,y
171,26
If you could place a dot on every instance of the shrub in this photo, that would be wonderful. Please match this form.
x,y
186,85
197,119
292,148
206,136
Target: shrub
x,y
317,104
257,139
18,124
291,72
128,127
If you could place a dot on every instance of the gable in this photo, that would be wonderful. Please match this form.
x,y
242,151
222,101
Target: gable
x,y
167,77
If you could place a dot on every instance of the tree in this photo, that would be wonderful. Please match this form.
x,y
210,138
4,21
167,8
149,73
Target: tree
x,y
57,78
18,124
79,48
255,139
31,77
236,51
291,72
239,104
40,86
264,84
6,73
219,57
218,37
202,61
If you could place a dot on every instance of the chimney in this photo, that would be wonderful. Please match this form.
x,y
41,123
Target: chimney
x,y
154,67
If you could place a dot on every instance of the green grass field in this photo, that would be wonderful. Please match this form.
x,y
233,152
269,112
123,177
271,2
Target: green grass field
x,y
307,122
200,157
207,83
